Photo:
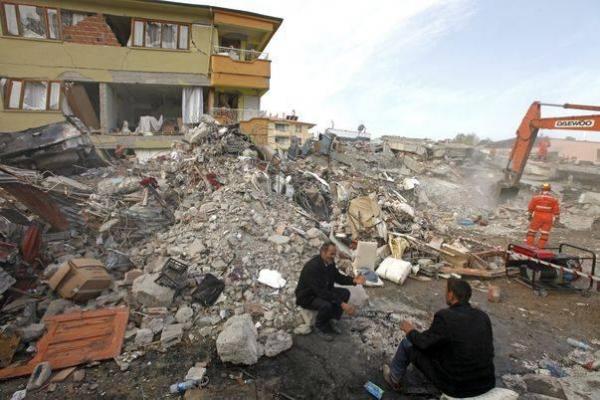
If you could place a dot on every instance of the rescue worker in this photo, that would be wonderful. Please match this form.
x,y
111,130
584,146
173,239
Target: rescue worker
x,y
544,211
542,152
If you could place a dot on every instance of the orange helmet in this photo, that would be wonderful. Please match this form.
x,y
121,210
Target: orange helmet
x,y
546,187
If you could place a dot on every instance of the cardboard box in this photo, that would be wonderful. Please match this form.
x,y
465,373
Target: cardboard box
x,y
80,279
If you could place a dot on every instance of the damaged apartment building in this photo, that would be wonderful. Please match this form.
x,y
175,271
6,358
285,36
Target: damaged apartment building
x,y
132,72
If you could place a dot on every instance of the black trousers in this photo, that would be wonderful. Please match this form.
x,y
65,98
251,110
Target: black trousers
x,y
328,309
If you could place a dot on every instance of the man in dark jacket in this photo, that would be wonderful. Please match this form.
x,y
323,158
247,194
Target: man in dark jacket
x,y
456,353
315,290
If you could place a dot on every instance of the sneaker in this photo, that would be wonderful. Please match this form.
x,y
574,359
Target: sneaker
x,y
335,327
324,333
387,375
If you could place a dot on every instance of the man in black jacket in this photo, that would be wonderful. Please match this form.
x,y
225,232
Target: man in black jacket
x,y
456,353
315,290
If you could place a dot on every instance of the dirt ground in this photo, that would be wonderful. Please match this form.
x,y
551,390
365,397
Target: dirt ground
x,y
526,327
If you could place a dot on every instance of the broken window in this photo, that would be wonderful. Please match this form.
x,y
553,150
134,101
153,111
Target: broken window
x,y
153,34
160,35
169,36
31,21
298,128
33,95
72,18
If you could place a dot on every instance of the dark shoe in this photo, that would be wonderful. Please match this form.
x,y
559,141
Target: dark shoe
x,y
335,327
387,375
324,333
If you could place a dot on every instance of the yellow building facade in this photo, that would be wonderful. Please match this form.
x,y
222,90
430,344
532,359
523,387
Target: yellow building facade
x,y
277,133
114,61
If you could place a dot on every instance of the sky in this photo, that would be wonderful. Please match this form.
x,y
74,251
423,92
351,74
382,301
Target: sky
x,y
430,68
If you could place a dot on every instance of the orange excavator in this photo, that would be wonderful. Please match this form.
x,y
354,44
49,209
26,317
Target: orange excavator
x,y
526,134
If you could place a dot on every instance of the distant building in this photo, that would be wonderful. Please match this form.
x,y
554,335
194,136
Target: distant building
x,y
276,132
580,150
576,150
346,135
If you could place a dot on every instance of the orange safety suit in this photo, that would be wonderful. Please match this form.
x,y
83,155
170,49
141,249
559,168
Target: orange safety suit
x,y
544,208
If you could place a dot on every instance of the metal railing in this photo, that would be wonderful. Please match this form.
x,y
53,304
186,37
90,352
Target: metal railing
x,y
240,54
227,115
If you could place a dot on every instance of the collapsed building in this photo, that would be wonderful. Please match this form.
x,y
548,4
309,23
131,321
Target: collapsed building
x,y
127,69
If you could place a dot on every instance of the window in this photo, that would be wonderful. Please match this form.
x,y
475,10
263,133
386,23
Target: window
x,y
281,127
298,128
32,95
31,21
598,155
160,35
72,18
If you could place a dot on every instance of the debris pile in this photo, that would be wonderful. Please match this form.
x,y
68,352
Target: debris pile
x,y
208,242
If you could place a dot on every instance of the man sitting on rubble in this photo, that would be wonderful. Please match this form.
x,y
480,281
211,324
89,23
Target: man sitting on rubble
x,y
315,290
456,353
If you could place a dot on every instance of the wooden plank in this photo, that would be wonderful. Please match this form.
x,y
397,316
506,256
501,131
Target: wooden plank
x,y
479,273
77,338
82,106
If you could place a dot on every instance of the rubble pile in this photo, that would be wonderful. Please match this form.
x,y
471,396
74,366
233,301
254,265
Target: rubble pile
x,y
208,241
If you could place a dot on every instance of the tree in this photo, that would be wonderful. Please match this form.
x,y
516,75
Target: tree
x,y
470,139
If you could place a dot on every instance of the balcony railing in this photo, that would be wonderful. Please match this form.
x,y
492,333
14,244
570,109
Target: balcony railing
x,y
228,116
240,54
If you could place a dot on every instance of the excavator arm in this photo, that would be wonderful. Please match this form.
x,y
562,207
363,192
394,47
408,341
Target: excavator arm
x,y
527,132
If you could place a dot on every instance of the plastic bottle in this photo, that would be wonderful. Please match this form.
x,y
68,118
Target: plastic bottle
x,y
578,344
374,390
182,387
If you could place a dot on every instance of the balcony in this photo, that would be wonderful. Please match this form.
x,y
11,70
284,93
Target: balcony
x,y
240,68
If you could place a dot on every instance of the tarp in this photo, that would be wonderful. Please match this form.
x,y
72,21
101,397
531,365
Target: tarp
x,y
364,215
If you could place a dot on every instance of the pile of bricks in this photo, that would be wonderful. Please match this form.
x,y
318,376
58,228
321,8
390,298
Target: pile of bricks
x,y
91,30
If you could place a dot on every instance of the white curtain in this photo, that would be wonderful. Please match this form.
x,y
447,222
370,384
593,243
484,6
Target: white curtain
x,y
192,105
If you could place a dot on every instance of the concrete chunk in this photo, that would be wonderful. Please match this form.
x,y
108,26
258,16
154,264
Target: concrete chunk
x,y
237,342
171,335
144,336
151,294
279,239
184,314
32,332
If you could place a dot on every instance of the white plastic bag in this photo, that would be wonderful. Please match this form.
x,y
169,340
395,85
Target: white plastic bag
x,y
394,270
271,278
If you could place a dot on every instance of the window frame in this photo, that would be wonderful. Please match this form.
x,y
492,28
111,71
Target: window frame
x,y
24,81
285,127
144,21
4,21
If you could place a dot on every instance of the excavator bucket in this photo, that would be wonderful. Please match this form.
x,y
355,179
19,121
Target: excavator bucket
x,y
506,192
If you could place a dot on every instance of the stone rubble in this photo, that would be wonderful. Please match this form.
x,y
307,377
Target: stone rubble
x,y
223,210
237,343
